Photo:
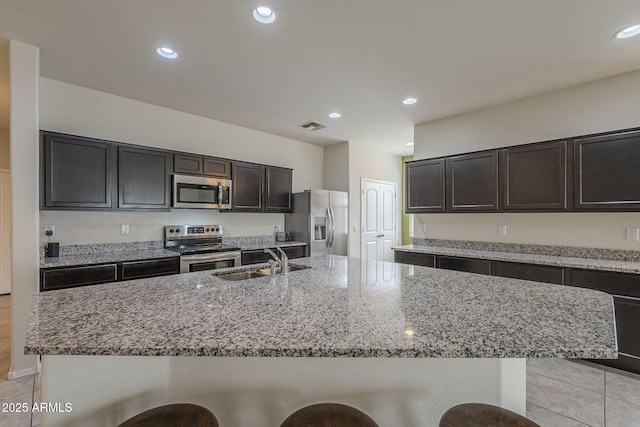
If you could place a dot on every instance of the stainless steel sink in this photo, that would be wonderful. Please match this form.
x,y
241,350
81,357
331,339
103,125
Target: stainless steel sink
x,y
292,267
263,272
241,275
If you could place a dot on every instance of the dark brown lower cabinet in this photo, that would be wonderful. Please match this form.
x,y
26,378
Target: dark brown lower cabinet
x,y
470,265
71,277
414,258
536,273
149,268
625,289
256,256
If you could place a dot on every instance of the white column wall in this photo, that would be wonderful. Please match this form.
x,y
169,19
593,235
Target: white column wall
x,y
24,69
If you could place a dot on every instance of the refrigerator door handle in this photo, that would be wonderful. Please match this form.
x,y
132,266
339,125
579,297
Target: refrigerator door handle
x,y
328,236
332,225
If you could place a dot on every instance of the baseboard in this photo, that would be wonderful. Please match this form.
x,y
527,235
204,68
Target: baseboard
x,y
23,373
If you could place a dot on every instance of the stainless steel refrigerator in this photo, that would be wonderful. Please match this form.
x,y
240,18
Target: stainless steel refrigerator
x,y
320,218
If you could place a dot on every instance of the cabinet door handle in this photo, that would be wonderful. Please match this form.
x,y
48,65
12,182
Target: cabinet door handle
x,y
380,235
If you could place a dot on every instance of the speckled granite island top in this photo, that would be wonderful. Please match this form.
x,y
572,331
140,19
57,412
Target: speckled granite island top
x,y
339,307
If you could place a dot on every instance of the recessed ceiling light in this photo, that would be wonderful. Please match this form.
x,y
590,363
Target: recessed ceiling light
x,y
264,14
410,143
628,32
167,52
335,115
409,101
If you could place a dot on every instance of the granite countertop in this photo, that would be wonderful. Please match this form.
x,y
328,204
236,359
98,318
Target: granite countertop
x,y
271,244
105,257
99,253
341,307
551,260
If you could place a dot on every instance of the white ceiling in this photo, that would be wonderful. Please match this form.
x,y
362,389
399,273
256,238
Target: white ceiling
x,y
359,57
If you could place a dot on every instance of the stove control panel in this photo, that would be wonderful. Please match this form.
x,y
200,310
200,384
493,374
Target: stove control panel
x,y
192,231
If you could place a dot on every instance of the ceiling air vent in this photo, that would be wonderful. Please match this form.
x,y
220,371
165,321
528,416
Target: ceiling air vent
x,y
313,125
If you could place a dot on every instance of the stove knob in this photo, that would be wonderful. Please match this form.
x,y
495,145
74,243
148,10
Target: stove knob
x,y
207,230
217,228
171,230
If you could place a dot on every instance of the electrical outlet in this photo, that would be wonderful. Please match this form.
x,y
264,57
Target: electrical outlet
x,y
424,227
49,230
632,233
502,230
124,229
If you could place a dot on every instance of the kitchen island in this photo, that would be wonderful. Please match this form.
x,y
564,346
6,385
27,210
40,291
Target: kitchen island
x,y
403,343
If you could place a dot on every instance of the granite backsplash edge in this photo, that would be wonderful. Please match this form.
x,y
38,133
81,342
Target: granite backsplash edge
x,y
564,251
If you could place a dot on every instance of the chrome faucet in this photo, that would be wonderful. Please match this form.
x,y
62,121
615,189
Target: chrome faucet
x,y
284,260
273,262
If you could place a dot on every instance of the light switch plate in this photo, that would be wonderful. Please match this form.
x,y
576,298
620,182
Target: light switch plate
x,y
502,230
633,233
124,229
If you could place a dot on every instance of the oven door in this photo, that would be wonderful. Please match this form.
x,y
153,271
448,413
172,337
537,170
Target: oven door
x,y
211,261
201,192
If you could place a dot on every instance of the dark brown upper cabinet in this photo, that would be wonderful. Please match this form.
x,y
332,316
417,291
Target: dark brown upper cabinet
x,y
278,183
535,177
199,165
247,187
144,178
78,172
425,186
607,172
472,182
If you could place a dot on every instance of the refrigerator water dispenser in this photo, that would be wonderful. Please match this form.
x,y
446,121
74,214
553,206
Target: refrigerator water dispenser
x,y
320,228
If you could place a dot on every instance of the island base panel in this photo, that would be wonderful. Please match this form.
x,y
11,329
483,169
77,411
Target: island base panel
x,y
105,390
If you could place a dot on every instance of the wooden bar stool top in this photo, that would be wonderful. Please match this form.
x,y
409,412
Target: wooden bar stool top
x,y
328,415
483,415
174,415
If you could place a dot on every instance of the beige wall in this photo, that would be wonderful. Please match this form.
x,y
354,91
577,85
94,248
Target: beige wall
x,y
599,106
365,162
336,167
4,149
24,70
100,115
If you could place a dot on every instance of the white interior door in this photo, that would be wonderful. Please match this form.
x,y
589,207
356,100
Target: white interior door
x,y
378,220
5,232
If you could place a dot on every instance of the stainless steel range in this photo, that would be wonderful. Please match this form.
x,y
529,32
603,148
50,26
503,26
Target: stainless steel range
x,y
200,247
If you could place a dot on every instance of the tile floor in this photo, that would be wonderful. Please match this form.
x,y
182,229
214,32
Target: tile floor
x,y
563,393
560,393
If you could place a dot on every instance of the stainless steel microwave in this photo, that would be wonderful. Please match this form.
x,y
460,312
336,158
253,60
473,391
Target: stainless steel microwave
x,y
199,192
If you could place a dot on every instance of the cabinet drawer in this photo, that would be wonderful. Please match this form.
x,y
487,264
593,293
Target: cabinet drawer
x,y
150,268
254,256
628,325
613,283
536,273
425,260
61,278
480,266
294,251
